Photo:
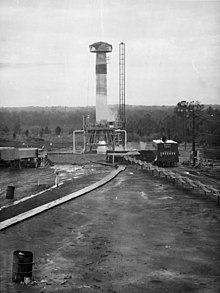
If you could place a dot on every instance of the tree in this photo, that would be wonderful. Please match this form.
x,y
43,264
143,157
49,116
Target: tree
x,y
5,129
35,130
58,130
47,130
41,132
26,133
17,128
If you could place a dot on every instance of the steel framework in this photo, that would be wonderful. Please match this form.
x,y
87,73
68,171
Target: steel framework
x,y
102,135
122,85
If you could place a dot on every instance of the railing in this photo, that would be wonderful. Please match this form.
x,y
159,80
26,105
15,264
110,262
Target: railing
x,y
174,177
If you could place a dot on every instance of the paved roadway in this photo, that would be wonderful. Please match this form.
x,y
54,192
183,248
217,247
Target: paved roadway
x,y
135,234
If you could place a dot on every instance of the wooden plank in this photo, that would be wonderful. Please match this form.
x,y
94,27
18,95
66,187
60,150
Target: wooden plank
x,y
159,170
40,209
181,179
172,175
31,196
206,190
152,168
146,165
203,187
190,182
116,154
176,177
140,162
214,190
165,173
198,183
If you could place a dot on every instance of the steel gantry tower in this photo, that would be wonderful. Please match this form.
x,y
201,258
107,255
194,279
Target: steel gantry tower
x,y
104,135
122,85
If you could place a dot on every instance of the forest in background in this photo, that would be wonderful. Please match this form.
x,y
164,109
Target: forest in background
x,y
143,123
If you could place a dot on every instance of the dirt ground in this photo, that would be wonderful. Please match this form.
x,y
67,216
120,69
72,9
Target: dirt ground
x,y
137,233
29,181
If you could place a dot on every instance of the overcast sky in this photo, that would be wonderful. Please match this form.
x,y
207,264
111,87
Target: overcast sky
x,y
172,51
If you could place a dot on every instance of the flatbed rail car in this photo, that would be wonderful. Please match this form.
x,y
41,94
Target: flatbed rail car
x,y
166,153
115,156
18,157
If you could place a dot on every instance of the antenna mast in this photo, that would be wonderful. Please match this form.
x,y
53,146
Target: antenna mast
x,y
122,85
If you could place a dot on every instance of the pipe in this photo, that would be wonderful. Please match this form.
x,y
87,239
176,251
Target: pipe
x,y
125,135
74,140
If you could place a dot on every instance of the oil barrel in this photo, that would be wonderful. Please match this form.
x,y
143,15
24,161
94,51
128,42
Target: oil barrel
x,y
10,192
22,265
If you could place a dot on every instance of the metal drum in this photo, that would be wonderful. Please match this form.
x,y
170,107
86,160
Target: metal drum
x,y
10,192
22,265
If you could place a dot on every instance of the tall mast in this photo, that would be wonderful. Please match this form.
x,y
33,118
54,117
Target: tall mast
x,y
122,85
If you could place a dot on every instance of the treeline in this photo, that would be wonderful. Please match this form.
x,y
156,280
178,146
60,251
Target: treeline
x,y
143,123
154,123
40,120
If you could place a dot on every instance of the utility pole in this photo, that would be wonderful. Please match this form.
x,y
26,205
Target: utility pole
x,y
185,110
193,135
182,107
194,107
190,110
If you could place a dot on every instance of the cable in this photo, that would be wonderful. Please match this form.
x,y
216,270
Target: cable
x,y
206,133
207,117
101,19
88,86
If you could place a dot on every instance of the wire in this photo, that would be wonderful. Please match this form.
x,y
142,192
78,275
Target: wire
x,y
207,117
207,133
98,5
101,19
88,86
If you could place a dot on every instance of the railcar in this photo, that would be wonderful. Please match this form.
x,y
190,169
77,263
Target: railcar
x,y
166,152
17,157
